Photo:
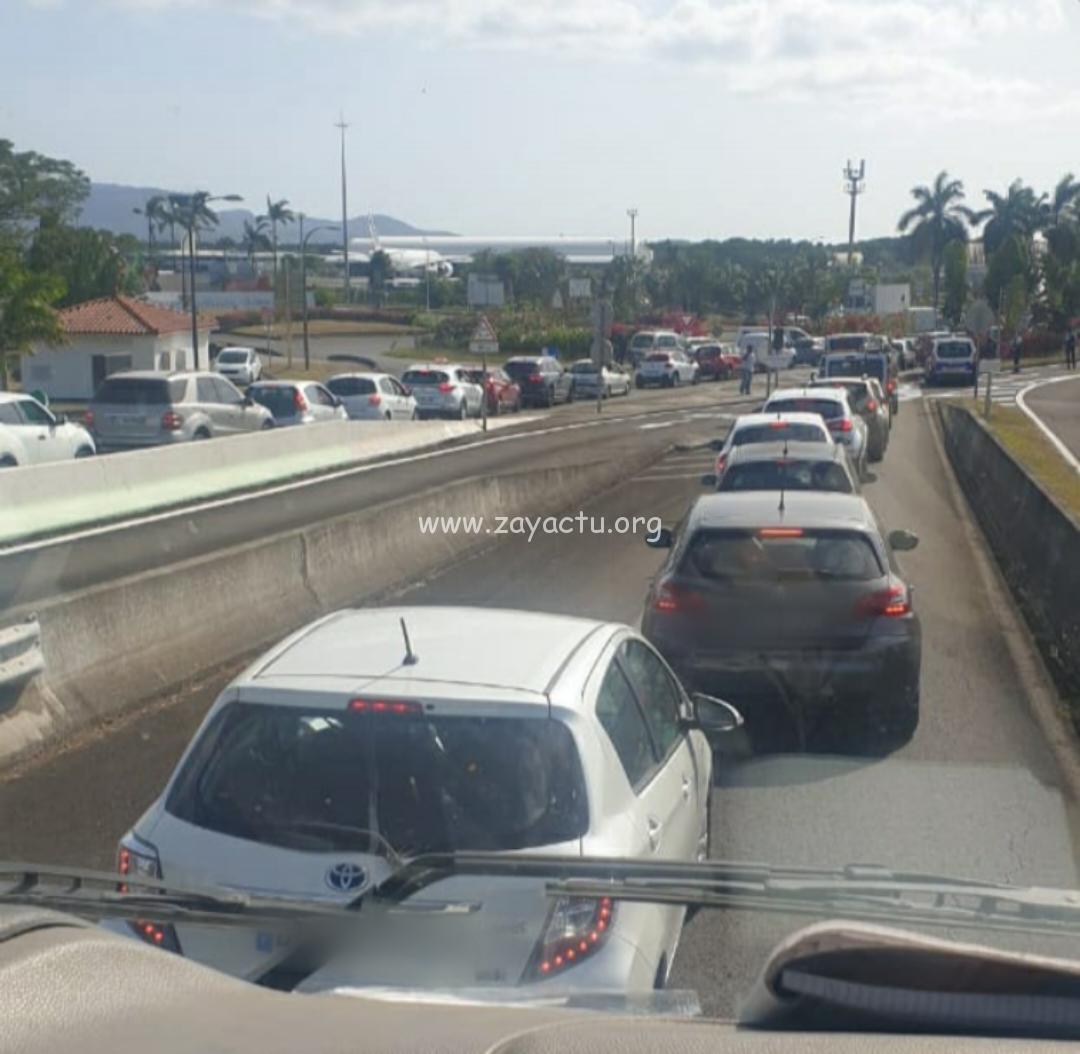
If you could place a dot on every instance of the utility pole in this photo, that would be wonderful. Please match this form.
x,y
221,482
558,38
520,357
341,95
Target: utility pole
x,y
632,213
854,185
344,205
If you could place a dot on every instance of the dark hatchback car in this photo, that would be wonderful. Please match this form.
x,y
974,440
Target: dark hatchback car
x,y
787,466
793,610
879,364
542,380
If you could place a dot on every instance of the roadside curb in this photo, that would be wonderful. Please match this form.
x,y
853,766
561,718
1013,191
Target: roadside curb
x,y
1043,699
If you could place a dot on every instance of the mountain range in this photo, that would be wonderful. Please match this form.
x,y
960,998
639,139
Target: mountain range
x,y
110,206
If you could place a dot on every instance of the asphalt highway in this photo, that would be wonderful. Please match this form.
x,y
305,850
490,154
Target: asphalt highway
x,y
1058,406
976,793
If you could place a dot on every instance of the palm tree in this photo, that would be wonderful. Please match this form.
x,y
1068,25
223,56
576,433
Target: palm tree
x,y
1062,202
1016,212
380,268
255,238
277,212
152,210
936,219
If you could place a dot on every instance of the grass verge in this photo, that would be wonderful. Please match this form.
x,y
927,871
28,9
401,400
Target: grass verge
x,y
328,327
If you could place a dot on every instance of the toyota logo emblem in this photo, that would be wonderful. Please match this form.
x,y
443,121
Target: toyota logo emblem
x,y
345,877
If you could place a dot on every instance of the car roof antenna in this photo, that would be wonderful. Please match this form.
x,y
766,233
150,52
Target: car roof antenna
x,y
781,509
411,658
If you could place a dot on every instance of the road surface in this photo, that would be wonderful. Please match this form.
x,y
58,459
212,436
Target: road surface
x,y
976,793
1058,407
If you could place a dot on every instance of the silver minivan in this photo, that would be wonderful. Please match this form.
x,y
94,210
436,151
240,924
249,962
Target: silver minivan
x,y
141,408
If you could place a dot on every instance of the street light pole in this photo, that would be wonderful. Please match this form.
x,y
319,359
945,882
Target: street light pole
x,y
344,208
303,282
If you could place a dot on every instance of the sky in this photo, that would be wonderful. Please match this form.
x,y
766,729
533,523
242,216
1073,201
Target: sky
x,y
713,118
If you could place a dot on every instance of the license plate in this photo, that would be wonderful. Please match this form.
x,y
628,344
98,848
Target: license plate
x,y
128,420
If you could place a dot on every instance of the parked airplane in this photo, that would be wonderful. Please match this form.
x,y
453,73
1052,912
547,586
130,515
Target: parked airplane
x,y
404,261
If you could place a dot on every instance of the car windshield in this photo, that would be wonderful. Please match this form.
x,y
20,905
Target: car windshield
x,y
346,386
777,431
954,349
140,391
770,554
308,779
519,368
279,400
827,408
227,357
852,343
420,378
784,474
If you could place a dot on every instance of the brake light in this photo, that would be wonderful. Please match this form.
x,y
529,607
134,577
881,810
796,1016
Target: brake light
x,y
672,599
780,532
445,387
396,707
535,378
142,863
891,386
778,424
171,421
298,400
871,405
892,602
721,461
374,400
576,928
843,425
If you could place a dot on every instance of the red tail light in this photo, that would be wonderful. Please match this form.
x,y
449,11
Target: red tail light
x,y
445,387
374,400
721,461
888,603
171,421
299,401
88,419
535,378
871,405
778,424
843,425
576,927
397,707
672,599
891,386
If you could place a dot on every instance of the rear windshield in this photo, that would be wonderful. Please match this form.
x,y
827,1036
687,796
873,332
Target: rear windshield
x,y
811,554
522,368
954,349
642,340
777,431
141,391
344,386
233,356
658,356
281,402
667,342
786,474
319,780
415,377
855,366
583,367
858,394
827,408
850,343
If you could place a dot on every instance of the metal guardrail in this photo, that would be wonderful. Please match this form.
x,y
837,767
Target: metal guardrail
x,y
21,656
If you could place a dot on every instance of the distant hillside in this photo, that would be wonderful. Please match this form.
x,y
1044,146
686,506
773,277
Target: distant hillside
x,y
110,206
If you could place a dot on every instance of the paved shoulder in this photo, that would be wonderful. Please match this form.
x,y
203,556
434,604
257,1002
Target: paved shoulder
x,y
1058,407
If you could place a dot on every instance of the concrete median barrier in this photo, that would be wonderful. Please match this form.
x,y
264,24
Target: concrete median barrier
x,y
1035,542
111,648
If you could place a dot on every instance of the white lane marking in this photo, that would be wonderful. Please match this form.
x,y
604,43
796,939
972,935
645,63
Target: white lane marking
x,y
1021,401
658,424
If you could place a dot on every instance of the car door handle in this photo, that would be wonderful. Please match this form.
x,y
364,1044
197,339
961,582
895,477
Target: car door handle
x,y
656,829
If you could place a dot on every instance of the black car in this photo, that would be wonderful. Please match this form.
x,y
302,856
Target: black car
x,y
542,380
790,605
787,466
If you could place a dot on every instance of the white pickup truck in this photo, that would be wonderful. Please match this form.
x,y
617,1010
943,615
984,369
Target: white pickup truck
x,y
31,434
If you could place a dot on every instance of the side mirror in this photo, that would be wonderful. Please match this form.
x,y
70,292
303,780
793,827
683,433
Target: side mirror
x,y
61,419
708,480
903,541
248,399
717,445
406,389
714,716
663,539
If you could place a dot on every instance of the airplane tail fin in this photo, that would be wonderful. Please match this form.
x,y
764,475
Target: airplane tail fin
x,y
376,245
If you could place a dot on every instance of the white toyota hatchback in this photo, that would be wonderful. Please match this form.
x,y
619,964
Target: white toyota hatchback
x,y
351,746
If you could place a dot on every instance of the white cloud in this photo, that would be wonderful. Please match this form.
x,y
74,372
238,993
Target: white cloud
x,y
909,53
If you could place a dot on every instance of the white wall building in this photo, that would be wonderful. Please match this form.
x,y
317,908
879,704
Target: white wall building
x,y
892,299
109,335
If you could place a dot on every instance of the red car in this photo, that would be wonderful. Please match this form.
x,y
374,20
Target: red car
x,y
501,392
716,362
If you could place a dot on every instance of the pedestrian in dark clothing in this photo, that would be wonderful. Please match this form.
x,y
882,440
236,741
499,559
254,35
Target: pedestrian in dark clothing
x,y
1070,350
1017,348
746,373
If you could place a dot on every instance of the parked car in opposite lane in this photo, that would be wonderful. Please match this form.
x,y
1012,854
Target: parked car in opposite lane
x,y
787,466
543,380
559,735
240,365
31,434
373,397
298,402
141,408
716,361
591,380
444,390
868,401
649,340
666,369
796,608
502,392
832,404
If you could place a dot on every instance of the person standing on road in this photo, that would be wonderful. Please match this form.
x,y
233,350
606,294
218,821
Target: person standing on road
x,y
1017,348
1070,350
746,371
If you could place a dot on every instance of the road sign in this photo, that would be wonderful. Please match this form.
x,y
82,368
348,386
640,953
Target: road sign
x,y
484,340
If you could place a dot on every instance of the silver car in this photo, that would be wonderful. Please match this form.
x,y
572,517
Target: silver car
x,y
298,402
444,390
591,380
142,408
373,397
834,407
240,365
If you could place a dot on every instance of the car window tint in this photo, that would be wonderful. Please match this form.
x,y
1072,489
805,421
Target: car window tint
x,y
9,415
226,392
206,390
786,475
387,386
622,720
316,393
731,555
33,414
657,691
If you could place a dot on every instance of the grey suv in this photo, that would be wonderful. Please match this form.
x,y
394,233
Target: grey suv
x,y
144,408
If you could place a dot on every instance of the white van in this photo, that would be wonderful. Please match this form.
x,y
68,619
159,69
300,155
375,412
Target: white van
x,y
648,340
767,359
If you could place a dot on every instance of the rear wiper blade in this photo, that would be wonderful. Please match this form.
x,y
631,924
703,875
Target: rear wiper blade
x,y
99,895
856,891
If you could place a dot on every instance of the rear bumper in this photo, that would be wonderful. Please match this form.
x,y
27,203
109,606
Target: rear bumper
x,y
112,444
